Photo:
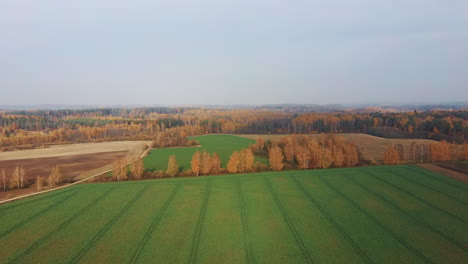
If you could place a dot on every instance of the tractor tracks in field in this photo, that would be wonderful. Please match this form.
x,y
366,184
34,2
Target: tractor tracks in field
x,y
402,176
33,201
420,199
377,222
39,242
34,216
288,221
245,226
330,219
196,238
103,230
154,224
416,220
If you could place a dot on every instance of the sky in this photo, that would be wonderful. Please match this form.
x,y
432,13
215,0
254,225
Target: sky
x,y
233,52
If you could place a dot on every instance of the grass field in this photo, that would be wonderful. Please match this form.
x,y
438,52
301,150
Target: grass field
x,y
224,145
398,214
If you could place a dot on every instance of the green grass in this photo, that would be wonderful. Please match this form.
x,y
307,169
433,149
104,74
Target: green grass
x,y
224,145
401,214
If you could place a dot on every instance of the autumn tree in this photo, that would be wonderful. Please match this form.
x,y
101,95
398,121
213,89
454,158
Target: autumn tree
x,y
288,148
303,157
196,163
17,179
440,151
206,162
246,160
260,145
338,157
326,158
172,167
275,157
137,169
233,163
391,156
119,170
351,155
39,183
215,164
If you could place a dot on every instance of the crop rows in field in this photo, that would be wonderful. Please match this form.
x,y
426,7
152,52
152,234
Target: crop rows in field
x,y
362,215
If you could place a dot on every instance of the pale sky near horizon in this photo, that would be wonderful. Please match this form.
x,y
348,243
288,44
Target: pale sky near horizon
x,y
233,52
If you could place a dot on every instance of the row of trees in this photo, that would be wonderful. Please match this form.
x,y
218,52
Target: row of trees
x,y
432,152
17,179
309,152
122,170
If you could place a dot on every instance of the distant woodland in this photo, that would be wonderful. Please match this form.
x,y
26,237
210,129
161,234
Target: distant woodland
x,y
170,126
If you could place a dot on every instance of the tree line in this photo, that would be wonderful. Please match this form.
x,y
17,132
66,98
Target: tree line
x,y
28,129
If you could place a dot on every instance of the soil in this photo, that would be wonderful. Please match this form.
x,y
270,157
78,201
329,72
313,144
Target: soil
x,y
447,172
74,149
71,167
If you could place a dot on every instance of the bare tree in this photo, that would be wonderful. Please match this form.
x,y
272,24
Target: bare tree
x,y
4,180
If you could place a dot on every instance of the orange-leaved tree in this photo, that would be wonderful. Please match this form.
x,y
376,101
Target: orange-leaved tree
x,y
233,163
275,157
391,156
172,167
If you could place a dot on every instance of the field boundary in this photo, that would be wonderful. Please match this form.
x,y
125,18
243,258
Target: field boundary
x,y
34,216
377,222
40,241
245,227
416,220
37,200
198,229
103,230
288,221
154,224
330,219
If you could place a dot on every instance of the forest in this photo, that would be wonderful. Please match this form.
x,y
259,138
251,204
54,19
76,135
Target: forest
x,y
169,126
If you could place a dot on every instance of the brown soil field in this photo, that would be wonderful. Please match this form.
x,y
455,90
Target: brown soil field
x,y
70,166
371,148
73,149
76,161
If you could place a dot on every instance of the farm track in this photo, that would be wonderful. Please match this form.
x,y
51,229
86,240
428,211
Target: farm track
x,y
245,226
33,201
405,177
39,242
421,200
34,216
154,224
196,238
445,180
330,219
416,220
377,222
288,221
93,241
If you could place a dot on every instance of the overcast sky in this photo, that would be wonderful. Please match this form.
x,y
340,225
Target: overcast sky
x,y
233,52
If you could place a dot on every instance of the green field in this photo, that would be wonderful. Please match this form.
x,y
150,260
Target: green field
x,y
398,214
224,145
